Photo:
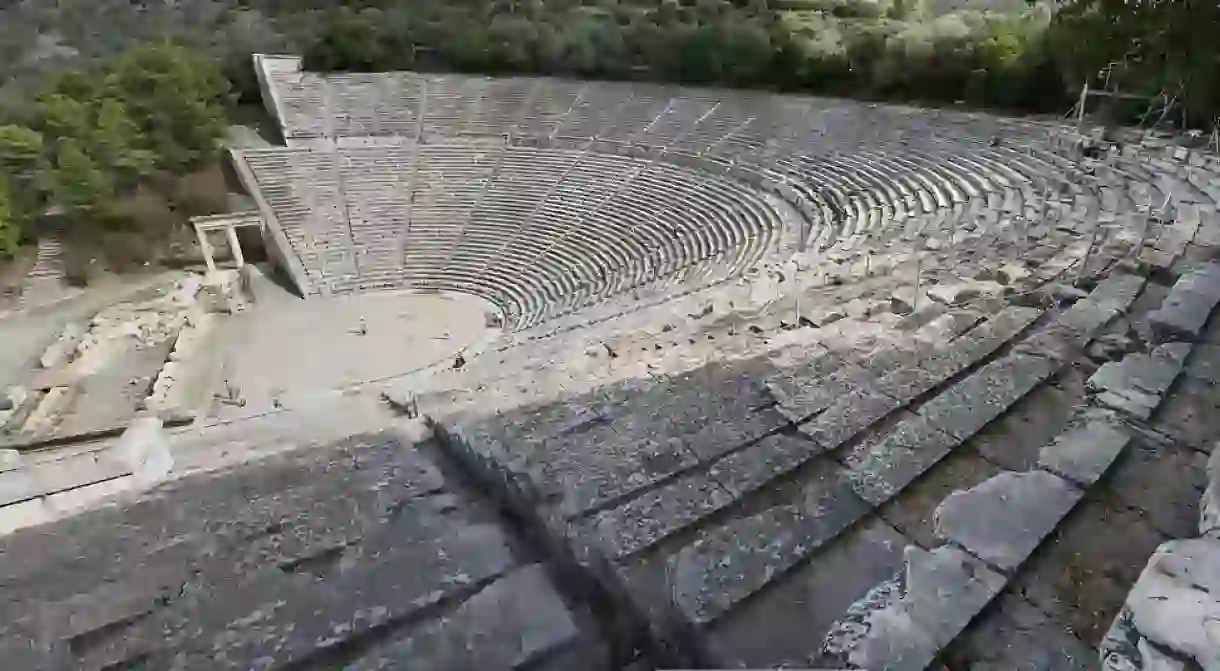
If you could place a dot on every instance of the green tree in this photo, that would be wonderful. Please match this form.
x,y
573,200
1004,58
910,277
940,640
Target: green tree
x,y
77,184
10,227
176,99
21,167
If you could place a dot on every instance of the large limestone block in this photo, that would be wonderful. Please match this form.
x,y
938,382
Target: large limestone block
x,y
1002,520
1172,614
1085,451
512,622
902,624
1186,309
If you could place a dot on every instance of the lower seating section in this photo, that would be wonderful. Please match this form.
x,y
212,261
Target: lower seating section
x,y
303,560
537,231
755,514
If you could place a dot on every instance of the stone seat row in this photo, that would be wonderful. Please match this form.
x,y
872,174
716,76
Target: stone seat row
x,y
558,223
694,498
671,116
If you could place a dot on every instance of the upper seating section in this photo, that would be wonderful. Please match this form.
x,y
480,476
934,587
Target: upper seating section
x,y
484,166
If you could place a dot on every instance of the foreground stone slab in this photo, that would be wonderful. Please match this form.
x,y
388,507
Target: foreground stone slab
x,y
512,622
783,627
903,623
730,562
1002,520
1171,613
1087,449
880,469
970,404
1184,312
1136,384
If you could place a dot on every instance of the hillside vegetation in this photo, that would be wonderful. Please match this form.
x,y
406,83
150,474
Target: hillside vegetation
x,y
97,105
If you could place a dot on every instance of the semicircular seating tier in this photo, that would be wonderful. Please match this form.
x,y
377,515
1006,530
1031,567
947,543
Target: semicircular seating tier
x,y
537,231
530,191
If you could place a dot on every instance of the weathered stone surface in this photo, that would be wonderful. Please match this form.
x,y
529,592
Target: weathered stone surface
x,y
730,562
1186,309
512,622
880,468
17,486
1204,363
1087,449
144,449
902,624
1209,507
1002,520
280,561
813,386
848,416
783,627
1175,605
1136,383
773,456
1192,413
384,580
10,460
962,292
969,405
1082,573
1013,634
1164,482
650,517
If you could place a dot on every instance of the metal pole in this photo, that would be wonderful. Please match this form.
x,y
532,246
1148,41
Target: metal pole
x,y
1084,96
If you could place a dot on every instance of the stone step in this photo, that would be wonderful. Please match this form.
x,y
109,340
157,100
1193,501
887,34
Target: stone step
x,y
689,524
995,527
297,561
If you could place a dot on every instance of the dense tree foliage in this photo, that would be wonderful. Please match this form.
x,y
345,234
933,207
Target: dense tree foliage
x,y
1147,47
857,48
91,138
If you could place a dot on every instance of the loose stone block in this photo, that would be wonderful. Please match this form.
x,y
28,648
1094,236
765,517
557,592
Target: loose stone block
x,y
902,624
1087,449
880,469
1002,520
510,623
1151,373
1174,605
1184,312
970,404
728,563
